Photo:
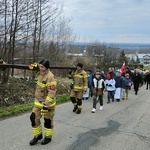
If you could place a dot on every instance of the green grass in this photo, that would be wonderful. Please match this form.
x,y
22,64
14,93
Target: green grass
x,y
146,67
19,109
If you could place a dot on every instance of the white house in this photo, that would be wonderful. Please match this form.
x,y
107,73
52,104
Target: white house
x,y
144,59
131,56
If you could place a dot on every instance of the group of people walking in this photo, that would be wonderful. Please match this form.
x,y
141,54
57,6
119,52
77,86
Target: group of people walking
x,y
115,83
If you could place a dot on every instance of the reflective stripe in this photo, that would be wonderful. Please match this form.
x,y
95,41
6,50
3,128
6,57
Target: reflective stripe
x,y
78,87
49,132
51,100
41,84
74,104
79,106
86,76
85,87
37,131
53,104
48,84
38,104
52,83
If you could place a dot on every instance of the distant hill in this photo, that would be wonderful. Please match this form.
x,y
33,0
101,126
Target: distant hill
x,y
119,45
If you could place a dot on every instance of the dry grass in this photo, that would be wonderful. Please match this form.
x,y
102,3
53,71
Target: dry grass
x,y
19,91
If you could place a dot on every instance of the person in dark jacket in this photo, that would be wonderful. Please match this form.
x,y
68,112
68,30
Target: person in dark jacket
x,y
127,70
101,73
147,79
136,79
91,76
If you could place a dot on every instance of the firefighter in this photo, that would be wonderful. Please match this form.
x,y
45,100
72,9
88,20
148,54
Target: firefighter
x,y
44,104
78,86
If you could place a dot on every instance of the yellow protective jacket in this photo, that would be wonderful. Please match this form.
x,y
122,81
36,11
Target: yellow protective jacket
x,y
80,80
45,89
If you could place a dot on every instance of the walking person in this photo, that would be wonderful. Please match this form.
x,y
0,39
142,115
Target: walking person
x,y
126,86
111,72
79,87
147,79
44,104
110,85
118,86
91,76
99,86
136,79
101,72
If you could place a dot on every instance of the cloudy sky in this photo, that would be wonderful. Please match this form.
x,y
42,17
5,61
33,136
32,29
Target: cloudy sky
x,y
126,21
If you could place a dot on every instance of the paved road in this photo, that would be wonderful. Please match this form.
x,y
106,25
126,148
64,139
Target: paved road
x,y
121,125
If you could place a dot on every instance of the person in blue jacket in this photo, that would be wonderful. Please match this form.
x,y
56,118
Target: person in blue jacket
x,y
126,86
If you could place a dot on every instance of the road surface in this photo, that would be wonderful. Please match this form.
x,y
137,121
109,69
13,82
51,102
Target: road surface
x,y
121,125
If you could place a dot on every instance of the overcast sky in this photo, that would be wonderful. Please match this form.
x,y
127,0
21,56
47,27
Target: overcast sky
x,y
126,21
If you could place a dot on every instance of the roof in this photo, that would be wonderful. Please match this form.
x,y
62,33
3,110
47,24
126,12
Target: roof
x,y
142,55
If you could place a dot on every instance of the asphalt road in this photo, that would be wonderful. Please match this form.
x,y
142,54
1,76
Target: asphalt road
x,y
121,125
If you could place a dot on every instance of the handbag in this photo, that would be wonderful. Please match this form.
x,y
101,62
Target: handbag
x,y
97,91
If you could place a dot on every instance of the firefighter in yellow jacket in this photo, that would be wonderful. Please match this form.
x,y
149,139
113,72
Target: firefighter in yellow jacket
x,y
78,86
44,104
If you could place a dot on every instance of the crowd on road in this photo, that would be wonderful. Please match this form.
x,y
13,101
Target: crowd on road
x,y
117,84
84,84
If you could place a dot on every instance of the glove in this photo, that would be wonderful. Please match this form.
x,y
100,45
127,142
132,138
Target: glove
x,y
69,72
32,66
129,84
109,85
72,85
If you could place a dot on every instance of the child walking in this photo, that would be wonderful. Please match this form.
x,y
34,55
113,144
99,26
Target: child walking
x,y
110,84
98,84
126,86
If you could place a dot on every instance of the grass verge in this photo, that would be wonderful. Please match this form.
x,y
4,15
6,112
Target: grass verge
x,y
19,109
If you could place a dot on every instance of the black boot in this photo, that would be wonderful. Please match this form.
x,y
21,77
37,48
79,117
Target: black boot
x,y
118,100
75,108
78,111
46,141
35,139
